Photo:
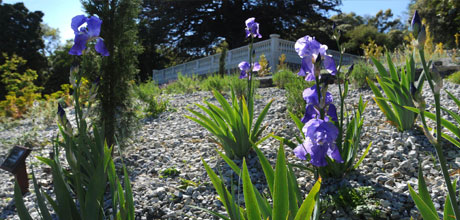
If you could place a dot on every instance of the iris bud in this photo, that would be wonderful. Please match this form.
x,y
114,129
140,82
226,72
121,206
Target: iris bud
x,y
421,38
437,79
416,24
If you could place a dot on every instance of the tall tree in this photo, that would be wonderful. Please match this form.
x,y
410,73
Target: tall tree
x,y
193,28
21,35
442,16
119,30
383,21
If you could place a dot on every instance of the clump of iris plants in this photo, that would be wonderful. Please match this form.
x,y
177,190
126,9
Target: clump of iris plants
x,y
326,142
233,124
422,199
79,189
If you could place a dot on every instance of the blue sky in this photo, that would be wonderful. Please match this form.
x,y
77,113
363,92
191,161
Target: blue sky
x,y
58,13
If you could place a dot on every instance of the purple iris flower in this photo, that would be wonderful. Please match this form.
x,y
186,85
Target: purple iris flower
x,y
252,28
310,95
246,68
312,112
83,34
332,112
319,141
309,49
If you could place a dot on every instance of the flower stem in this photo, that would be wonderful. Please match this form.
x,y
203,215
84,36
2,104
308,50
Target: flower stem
x,y
341,95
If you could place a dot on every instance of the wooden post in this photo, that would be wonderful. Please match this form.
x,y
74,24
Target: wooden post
x,y
21,177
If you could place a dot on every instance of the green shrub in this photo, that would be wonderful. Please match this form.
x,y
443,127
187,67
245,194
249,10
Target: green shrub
x,y
264,68
454,77
150,95
282,77
294,99
232,124
361,71
396,84
216,82
19,85
147,89
240,86
183,84
286,200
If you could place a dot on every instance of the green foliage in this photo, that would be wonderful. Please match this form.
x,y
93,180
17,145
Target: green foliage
x,y
396,86
216,82
183,84
361,35
283,188
454,77
348,148
172,31
445,123
264,68
240,87
294,90
223,55
50,37
382,21
361,71
283,77
372,50
147,89
282,63
22,92
381,28
362,200
232,125
150,95
442,16
294,86
170,172
424,203
61,61
22,35
80,188
119,31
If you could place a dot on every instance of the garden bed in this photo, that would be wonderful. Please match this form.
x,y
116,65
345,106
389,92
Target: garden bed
x,y
164,163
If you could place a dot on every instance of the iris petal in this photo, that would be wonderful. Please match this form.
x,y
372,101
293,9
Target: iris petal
x,y
244,66
79,44
94,26
77,21
310,113
332,112
329,64
100,47
334,153
243,74
300,152
317,155
306,67
256,67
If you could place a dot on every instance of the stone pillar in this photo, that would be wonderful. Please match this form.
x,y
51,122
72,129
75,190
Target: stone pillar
x,y
274,51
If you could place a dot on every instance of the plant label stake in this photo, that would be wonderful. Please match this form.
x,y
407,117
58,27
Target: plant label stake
x,y
15,163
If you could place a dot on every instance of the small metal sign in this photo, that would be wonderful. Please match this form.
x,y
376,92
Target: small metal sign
x,y
16,156
15,163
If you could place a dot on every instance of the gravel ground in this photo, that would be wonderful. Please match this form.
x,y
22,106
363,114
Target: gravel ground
x,y
174,143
